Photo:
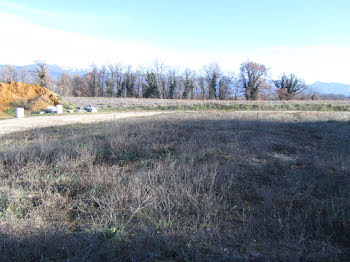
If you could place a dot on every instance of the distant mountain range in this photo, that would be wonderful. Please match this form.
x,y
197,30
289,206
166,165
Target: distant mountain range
x,y
54,70
321,87
331,88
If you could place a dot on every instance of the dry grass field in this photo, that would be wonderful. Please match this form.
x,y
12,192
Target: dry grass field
x,y
106,103
200,186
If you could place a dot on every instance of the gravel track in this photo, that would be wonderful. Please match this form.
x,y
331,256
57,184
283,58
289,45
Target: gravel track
x,y
20,124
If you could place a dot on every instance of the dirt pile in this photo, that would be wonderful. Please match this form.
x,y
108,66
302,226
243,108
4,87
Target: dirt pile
x,y
31,97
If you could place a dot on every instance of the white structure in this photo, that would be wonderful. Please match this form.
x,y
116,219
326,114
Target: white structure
x,y
51,109
19,112
91,108
59,109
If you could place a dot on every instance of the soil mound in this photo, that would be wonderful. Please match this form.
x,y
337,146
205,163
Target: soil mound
x,y
31,97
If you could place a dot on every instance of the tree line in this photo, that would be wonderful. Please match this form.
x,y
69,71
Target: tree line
x,y
160,81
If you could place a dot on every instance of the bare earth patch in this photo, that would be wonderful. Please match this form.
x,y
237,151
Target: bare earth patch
x,y
17,125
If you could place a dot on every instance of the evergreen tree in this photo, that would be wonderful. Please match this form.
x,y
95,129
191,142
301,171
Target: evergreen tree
x,y
172,82
188,85
42,74
213,85
151,88
213,73
130,82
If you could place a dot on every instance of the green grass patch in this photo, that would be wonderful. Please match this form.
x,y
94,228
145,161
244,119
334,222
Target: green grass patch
x,y
11,111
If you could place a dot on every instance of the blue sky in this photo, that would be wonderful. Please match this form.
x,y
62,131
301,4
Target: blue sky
x,y
271,32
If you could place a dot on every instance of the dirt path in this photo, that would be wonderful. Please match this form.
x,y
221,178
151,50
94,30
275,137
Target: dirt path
x,y
16,125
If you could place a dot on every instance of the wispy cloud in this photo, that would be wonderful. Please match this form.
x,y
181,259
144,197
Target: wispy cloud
x,y
27,10
63,18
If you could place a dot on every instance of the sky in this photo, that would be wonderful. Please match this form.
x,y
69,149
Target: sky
x,y
308,38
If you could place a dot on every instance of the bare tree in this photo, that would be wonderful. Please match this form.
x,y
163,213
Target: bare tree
x,y
269,91
225,85
92,80
140,78
65,85
308,93
80,86
110,86
159,71
111,83
8,73
24,75
117,79
289,86
120,81
202,92
252,79
236,89
102,77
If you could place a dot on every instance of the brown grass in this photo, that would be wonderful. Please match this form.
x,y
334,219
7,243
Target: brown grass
x,y
106,103
205,186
